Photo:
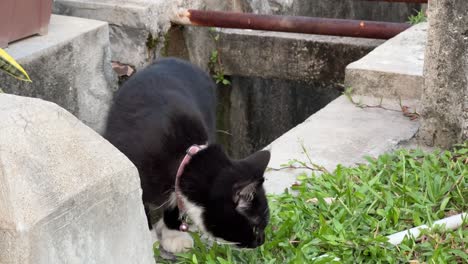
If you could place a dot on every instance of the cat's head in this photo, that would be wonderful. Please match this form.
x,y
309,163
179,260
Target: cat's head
x,y
225,198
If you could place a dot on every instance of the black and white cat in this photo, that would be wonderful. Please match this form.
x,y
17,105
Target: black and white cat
x,y
157,115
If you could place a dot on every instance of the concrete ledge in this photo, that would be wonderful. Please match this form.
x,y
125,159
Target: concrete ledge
x,y
66,194
340,133
69,66
394,69
289,56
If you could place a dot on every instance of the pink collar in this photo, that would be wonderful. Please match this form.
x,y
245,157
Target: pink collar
x,y
194,149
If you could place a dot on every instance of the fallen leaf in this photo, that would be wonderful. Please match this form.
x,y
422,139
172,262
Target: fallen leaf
x,y
122,69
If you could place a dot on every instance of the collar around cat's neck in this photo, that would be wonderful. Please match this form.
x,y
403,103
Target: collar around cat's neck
x,y
191,151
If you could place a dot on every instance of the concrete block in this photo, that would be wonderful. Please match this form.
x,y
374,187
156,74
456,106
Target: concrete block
x,y
66,194
289,56
137,27
69,66
394,69
340,133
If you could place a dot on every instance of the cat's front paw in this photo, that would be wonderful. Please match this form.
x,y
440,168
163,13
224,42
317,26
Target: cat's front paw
x,y
175,241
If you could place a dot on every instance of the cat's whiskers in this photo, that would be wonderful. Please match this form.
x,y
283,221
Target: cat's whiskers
x,y
212,239
170,201
226,243
162,205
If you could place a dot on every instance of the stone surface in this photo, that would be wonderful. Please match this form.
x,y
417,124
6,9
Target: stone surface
x,y
349,9
445,98
394,69
69,66
66,194
340,133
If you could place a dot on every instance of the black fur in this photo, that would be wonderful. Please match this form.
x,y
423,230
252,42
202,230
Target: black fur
x,y
156,116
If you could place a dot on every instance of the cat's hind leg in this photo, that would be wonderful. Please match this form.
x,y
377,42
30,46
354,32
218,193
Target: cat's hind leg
x,y
169,236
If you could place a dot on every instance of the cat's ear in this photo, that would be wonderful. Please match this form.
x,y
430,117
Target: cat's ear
x,y
245,193
258,162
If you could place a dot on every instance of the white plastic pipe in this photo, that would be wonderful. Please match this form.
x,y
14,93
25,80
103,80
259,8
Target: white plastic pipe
x,y
452,222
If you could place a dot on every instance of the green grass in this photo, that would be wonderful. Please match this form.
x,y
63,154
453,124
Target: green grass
x,y
419,17
390,194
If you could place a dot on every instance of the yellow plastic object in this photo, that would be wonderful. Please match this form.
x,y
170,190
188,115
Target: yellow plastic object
x,y
10,66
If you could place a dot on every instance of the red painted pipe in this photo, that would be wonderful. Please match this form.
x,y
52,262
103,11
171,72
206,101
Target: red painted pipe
x,y
296,24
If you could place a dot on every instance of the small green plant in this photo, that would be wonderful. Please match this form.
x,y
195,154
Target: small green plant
x,y
151,45
217,69
419,17
215,65
166,41
391,193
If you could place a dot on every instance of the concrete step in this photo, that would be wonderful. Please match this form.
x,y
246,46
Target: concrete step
x,y
394,69
340,133
69,66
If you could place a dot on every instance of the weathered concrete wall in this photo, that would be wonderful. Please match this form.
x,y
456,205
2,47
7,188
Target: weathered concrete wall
x,y
349,9
66,194
445,98
139,28
290,56
69,66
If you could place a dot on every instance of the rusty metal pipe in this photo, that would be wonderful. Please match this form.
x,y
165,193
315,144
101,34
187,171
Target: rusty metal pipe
x,y
400,1
296,24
